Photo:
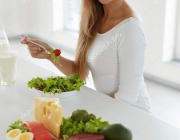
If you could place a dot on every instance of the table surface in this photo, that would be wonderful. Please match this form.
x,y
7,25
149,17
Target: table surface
x,y
17,99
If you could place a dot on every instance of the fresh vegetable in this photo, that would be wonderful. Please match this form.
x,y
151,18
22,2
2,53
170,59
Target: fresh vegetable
x,y
82,115
55,55
17,125
37,83
81,124
117,132
57,52
70,126
58,84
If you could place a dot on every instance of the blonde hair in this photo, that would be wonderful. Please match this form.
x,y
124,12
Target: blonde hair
x,y
91,14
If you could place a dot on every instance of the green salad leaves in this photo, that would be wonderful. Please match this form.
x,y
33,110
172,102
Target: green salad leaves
x,y
57,84
71,126
79,122
17,125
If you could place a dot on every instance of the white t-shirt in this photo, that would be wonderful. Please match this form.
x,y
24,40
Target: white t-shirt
x,y
116,61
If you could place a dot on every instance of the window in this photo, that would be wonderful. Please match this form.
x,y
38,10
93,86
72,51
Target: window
x,y
72,14
172,32
177,50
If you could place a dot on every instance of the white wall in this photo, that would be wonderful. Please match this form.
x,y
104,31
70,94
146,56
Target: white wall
x,y
13,17
31,16
1,11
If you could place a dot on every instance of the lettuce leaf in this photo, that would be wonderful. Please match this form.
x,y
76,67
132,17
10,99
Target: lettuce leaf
x,y
70,127
57,84
17,125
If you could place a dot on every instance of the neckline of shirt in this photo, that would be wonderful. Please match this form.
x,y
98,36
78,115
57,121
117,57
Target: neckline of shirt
x,y
119,24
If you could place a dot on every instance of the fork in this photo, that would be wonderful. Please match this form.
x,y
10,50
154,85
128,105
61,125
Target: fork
x,y
46,51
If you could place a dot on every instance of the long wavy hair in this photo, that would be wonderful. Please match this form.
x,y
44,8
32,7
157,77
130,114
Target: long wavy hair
x,y
91,14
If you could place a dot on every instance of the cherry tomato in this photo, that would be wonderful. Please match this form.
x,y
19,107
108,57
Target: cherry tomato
x,y
57,52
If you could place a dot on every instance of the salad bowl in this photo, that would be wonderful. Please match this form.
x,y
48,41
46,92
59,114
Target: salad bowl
x,y
57,95
59,86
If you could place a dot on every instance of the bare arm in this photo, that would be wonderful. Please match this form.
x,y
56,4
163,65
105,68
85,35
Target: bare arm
x,y
68,66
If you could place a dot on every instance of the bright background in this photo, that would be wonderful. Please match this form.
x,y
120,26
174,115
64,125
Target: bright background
x,y
56,22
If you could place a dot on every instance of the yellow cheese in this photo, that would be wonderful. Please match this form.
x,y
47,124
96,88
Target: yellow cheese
x,y
48,111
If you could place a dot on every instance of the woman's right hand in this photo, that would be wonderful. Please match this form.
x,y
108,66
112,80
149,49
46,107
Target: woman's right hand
x,y
35,50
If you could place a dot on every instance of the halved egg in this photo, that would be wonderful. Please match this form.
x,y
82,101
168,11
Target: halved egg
x,y
25,136
11,135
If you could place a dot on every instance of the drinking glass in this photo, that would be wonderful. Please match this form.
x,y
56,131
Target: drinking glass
x,y
8,67
4,46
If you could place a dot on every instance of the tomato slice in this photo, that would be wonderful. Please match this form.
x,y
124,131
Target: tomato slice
x,y
38,129
40,88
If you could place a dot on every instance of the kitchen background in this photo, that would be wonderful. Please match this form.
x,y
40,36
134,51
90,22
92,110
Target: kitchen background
x,y
56,22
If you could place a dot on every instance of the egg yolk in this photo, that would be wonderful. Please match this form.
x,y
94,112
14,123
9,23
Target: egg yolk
x,y
25,137
14,133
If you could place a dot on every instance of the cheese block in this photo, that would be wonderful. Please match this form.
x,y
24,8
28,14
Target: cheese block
x,y
48,111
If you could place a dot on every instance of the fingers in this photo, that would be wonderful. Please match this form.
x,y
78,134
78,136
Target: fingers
x,y
27,40
33,48
33,40
24,41
38,54
35,53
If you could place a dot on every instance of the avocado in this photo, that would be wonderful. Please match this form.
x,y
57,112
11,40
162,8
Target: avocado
x,y
117,132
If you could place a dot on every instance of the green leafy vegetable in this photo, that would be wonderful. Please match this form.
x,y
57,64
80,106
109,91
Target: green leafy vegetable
x,y
82,115
57,84
55,57
17,125
70,126
79,115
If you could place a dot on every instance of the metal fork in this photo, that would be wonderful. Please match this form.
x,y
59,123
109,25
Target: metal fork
x,y
46,51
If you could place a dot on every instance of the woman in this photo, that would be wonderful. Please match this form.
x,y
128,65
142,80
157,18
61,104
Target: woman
x,y
112,46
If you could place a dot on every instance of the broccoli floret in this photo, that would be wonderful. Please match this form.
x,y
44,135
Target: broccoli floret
x,y
82,115
79,115
90,117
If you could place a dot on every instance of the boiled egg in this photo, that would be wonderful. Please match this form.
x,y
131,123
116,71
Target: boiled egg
x,y
12,135
25,136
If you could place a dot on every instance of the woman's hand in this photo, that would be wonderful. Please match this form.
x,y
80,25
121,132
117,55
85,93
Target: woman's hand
x,y
35,50
38,52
